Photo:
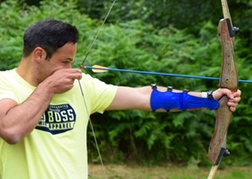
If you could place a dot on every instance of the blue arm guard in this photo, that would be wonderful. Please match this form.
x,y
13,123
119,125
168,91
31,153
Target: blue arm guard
x,y
180,100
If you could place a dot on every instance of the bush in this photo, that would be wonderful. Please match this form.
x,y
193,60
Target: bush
x,y
138,136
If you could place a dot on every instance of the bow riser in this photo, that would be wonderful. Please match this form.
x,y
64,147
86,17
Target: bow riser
x,y
228,79
229,75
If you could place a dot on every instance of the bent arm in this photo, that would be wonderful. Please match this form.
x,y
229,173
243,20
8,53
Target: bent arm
x,y
18,120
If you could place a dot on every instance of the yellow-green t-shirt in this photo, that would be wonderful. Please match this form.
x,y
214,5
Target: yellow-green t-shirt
x,y
56,148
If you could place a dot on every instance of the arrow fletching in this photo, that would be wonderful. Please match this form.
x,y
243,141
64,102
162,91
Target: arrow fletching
x,y
99,69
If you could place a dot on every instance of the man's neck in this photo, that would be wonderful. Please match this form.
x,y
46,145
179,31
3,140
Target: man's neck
x,y
26,70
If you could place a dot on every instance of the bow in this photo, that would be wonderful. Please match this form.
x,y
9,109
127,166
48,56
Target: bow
x,y
228,79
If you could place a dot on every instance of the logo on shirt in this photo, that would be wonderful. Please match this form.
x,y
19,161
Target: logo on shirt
x,y
57,119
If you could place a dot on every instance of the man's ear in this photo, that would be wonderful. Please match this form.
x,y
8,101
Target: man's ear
x,y
39,54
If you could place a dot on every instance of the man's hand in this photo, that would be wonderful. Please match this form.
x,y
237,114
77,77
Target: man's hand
x,y
234,97
62,80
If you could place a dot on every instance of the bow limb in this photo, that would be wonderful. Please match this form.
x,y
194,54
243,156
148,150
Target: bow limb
x,y
228,79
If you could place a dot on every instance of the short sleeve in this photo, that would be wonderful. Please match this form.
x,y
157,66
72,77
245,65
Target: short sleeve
x,y
98,94
5,87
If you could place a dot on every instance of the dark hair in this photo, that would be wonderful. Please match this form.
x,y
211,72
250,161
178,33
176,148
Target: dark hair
x,y
49,35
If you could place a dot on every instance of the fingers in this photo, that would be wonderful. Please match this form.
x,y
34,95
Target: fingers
x,y
237,93
70,74
73,73
62,80
233,109
232,105
234,99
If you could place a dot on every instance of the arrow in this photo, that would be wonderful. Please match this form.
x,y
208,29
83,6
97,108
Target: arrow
x,y
102,69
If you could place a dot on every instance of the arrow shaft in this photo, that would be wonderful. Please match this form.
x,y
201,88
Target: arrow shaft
x,y
158,73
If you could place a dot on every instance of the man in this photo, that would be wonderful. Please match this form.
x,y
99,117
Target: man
x,y
45,106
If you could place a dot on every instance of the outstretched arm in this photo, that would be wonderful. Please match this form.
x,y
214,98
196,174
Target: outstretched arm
x,y
139,98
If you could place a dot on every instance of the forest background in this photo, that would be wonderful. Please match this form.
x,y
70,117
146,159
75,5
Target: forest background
x,y
175,36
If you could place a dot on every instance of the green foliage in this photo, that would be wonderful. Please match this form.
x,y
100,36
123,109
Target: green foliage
x,y
13,24
132,42
175,137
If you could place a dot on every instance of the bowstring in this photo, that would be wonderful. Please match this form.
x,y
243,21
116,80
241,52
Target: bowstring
x,y
93,132
98,32
82,93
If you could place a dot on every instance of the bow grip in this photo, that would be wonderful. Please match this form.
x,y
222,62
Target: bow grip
x,y
228,79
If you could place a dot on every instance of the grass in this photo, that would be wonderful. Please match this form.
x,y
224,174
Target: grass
x,y
169,172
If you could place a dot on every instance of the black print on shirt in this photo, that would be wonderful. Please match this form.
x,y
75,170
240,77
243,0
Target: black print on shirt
x,y
57,119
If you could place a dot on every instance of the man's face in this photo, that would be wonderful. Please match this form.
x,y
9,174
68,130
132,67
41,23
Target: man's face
x,y
62,58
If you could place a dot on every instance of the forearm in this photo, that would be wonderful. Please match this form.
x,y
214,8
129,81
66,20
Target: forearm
x,y
20,119
193,93
177,100
138,98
